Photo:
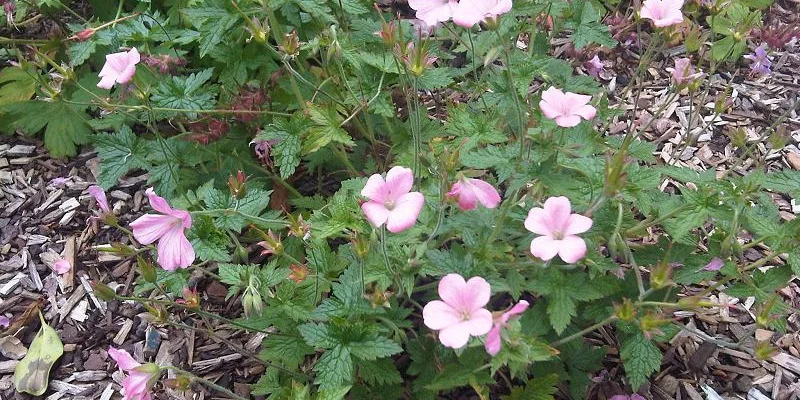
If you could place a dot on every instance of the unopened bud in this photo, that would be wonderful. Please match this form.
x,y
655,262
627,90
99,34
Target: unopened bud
x,y
251,302
238,185
103,292
85,34
360,246
625,311
660,275
146,269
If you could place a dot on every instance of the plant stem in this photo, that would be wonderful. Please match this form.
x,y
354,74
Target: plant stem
x,y
584,331
205,382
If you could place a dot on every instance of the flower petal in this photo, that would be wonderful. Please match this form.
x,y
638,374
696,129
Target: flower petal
x,y
123,359
493,341
587,112
486,194
518,308
577,223
107,82
557,210
373,190
479,322
454,336
537,222
399,181
376,213
476,294
544,247
450,288
568,121
61,266
100,197
405,212
157,202
572,249
438,315
150,227
174,250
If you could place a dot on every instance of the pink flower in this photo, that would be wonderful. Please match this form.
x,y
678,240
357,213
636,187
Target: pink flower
x,y
493,341
61,266
594,66
470,191
634,396
4,321
119,68
100,197
684,72
714,265
140,377
174,250
662,12
461,313
59,181
433,11
566,108
391,201
470,12
558,227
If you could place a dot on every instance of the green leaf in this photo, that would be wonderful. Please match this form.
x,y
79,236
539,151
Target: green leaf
x,y
65,126
640,357
334,368
16,84
119,153
375,348
562,294
334,393
79,52
185,93
212,20
379,372
286,150
541,388
586,26
316,335
786,181
32,373
326,129
289,351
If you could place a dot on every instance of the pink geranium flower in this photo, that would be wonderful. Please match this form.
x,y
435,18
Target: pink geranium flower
x,y
634,396
391,201
566,108
433,11
558,227
61,266
174,250
470,192
662,12
493,340
470,12
140,377
461,313
684,72
100,197
119,68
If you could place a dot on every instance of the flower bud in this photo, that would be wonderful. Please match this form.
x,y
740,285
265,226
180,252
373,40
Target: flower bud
x,y
251,302
298,227
388,33
103,292
625,311
238,185
360,246
299,273
290,47
191,298
651,323
660,275
85,34
272,244
146,269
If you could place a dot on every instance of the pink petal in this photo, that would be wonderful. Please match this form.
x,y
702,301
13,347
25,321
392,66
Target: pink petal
x,y
433,11
157,202
100,197
123,359
150,227
553,96
373,190
493,341
126,74
184,216
502,7
518,308
568,121
577,224
557,209
714,265
399,181
467,14
544,247
537,222
438,315
479,322
466,199
61,266
376,213
572,249
450,288
405,212
549,109
587,112
174,250
485,193
107,82
475,295
454,336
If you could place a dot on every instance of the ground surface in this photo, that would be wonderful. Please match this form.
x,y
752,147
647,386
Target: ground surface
x,y
40,221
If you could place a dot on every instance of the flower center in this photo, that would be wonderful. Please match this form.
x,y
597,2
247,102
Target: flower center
x,y
389,204
558,235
